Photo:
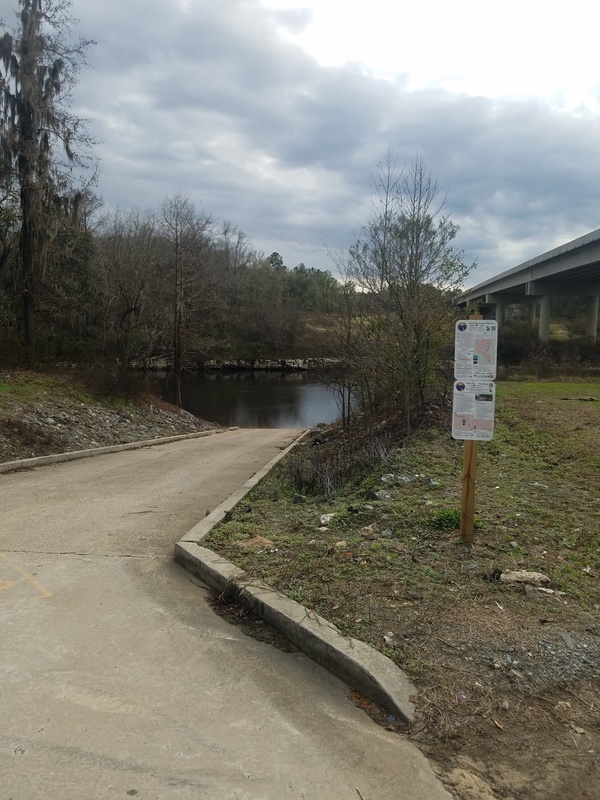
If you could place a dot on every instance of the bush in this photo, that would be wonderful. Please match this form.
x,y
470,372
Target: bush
x,y
449,518
114,382
519,346
516,343
324,469
446,519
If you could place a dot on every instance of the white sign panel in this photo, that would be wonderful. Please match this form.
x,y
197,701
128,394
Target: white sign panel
x,y
473,410
475,346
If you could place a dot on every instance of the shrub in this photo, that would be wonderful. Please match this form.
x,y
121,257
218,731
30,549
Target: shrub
x,y
449,518
326,469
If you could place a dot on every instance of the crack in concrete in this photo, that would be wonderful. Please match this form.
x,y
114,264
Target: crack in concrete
x,y
88,555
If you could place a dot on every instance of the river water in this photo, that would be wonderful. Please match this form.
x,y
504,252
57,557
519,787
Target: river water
x,y
254,399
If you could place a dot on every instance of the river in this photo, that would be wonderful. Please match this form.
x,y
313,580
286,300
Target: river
x,y
258,399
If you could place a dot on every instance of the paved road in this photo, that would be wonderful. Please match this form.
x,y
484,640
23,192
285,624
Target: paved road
x,y
117,679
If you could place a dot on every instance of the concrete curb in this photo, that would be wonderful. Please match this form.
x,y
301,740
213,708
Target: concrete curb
x,y
40,461
355,662
201,530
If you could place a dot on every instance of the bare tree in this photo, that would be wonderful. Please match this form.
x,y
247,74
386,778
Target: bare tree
x,y
126,259
187,233
405,265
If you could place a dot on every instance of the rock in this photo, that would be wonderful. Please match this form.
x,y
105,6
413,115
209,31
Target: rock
x,y
326,518
50,421
532,593
516,674
523,576
372,495
370,532
381,495
298,499
564,706
341,544
577,729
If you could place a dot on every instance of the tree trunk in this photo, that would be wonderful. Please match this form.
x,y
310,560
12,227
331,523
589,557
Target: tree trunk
x,y
177,338
27,271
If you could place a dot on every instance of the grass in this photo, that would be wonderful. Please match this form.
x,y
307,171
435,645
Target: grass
x,y
25,386
537,483
102,384
394,573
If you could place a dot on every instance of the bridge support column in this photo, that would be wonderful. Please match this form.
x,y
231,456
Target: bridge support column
x,y
544,332
500,314
532,310
592,318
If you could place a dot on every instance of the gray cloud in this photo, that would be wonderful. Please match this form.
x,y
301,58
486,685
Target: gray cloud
x,y
211,100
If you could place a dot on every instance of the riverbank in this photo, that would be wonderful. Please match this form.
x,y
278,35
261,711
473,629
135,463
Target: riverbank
x,y
508,672
246,365
41,414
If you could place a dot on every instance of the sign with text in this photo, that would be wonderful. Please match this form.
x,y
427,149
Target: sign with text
x,y
475,346
473,410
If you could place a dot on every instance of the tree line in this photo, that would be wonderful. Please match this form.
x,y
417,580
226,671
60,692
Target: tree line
x,y
169,284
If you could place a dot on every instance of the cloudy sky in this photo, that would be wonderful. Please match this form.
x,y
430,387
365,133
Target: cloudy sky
x,y
273,114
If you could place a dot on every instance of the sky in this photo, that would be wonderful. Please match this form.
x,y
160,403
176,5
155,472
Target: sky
x,y
273,114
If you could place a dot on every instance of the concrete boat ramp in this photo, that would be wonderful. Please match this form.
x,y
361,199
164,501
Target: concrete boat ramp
x,y
119,681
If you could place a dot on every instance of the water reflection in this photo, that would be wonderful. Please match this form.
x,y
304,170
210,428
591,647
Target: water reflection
x,y
254,399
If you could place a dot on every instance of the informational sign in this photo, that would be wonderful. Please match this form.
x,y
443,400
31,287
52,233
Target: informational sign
x,y
473,410
475,346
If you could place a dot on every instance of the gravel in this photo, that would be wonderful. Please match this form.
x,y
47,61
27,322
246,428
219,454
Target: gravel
x,y
544,661
41,427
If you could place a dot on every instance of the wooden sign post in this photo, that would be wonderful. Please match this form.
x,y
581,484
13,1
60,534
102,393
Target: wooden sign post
x,y
469,478
467,507
473,404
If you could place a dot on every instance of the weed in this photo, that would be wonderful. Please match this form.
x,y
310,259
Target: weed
x,y
318,470
446,518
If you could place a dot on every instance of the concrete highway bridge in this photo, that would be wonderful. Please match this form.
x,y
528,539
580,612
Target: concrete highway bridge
x,y
571,270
